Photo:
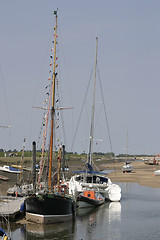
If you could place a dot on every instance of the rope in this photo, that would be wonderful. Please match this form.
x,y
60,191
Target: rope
x,y
81,110
105,112
106,118
4,91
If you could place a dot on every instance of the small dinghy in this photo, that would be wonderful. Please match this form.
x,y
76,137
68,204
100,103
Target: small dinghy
x,y
89,199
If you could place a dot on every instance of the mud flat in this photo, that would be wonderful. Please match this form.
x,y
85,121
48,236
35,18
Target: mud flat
x,y
142,173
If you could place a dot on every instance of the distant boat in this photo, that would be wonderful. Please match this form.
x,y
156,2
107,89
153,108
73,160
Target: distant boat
x,y
4,178
89,199
157,173
9,169
127,167
151,161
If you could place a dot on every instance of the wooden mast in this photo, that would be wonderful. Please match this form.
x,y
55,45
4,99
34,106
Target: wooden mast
x,y
52,109
93,108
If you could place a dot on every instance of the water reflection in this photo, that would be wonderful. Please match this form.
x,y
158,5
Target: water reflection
x,y
135,217
89,224
50,231
94,225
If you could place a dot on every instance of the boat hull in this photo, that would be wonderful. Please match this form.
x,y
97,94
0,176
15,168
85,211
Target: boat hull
x,y
49,208
80,183
112,193
9,169
83,202
127,168
157,173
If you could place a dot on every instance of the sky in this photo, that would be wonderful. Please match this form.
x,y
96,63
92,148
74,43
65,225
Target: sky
x,y
128,64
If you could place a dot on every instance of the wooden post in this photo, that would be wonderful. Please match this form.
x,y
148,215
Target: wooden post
x,y
34,167
63,158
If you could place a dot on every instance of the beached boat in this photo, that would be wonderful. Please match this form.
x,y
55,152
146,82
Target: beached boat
x,y
152,161
9,169
90,179
4,178
20,190
53,204
22,187
89,199
157,172
127,167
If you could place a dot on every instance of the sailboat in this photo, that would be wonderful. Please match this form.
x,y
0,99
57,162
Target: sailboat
x,y
54,204
90,179
127,167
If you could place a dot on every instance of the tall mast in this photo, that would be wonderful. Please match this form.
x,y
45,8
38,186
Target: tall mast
x,y
52,109
93,108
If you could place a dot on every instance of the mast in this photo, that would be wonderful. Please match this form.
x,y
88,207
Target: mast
x,y
22,157
127,146
93,108
63,161
52,108
34,167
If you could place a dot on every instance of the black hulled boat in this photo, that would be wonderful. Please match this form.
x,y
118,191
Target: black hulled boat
x,y
52,204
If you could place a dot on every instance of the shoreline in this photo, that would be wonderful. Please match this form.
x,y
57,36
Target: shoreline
x,y
142,173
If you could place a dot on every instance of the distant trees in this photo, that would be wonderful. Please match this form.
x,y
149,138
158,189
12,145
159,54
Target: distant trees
x,y
136,155
109,154
28,153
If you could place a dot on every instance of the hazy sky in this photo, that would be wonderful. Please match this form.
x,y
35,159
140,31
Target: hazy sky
x,y
128,62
